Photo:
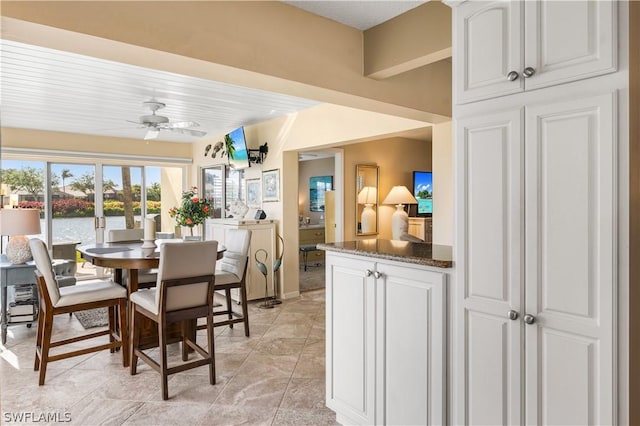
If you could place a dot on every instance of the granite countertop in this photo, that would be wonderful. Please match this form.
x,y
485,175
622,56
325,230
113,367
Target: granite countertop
x,y
403,251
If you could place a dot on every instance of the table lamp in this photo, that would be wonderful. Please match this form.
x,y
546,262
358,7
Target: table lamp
x,y
368,196
16,223
399,195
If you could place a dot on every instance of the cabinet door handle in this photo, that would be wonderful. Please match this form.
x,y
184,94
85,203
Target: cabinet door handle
x,y
513,75
368,272
512,315
528,72
529,319
377,274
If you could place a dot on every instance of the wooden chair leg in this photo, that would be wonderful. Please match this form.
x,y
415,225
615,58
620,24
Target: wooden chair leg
x,y
245,308
39,333
185,347
124,332
135,340
46,344
162,345
112,322
227,293
210,346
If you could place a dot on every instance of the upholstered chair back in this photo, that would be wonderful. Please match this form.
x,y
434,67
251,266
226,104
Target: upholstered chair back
x,y
119,235
235,257
185,260
43,264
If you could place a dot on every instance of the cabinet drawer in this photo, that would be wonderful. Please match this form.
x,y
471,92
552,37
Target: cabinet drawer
x,y
310,236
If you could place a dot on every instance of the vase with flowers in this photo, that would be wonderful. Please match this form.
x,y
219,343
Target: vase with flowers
x,y
192,210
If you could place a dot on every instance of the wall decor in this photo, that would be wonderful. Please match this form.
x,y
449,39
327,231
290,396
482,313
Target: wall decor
x,y
253,193
317,187
271,185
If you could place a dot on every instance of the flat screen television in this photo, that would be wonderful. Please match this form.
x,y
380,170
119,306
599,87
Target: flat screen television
x,y
236,146
423,191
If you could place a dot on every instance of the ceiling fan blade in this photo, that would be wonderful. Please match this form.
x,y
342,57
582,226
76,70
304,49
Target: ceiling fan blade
x,y
181,125
188,131
152,134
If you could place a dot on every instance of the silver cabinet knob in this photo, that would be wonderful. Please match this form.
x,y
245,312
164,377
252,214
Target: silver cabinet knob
x,y
512,315
528,72
529,319
513,75
377,274
368,272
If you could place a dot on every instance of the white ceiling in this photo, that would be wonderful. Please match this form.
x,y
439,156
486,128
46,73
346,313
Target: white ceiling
x,y
53,90
360,14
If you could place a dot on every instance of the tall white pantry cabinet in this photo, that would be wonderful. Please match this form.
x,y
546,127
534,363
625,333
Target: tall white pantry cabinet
x,y
536,131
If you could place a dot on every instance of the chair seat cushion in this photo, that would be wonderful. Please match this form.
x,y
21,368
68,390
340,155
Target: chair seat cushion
x,y
146,299
92,291
223,277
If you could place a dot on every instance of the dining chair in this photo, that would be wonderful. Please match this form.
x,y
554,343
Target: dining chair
x,y
232,273
183,293
55,300
146,277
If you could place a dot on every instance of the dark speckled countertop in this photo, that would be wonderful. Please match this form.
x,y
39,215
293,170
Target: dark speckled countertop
x,y
403,251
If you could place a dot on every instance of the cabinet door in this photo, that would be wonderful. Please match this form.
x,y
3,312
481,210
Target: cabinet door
x,y
570,262
487,344
350,334
410,338
569,40
488,45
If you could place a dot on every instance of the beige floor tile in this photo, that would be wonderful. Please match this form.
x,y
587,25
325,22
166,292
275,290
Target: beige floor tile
x,y
304,393
260,365
168,413
280,346
255,330
230,415
297,417
314,347
245,391
310,366
230,344
289,330
91,411
195,388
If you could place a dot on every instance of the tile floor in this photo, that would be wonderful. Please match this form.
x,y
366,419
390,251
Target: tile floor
x,y
275,377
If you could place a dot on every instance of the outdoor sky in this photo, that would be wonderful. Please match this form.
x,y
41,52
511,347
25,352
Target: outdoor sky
x,y
77,170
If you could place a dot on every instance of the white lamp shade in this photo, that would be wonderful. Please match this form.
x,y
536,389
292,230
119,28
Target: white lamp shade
x,y
17,223
400,195
368,195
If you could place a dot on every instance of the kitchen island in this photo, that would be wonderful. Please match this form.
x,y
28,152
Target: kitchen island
x,y
386,328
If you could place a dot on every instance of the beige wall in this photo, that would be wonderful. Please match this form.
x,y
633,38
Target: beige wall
x,y
443,184
306,170
74,142
397,159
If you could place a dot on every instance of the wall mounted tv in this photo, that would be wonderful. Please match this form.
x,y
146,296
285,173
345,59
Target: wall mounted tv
x,y
423,191
236,147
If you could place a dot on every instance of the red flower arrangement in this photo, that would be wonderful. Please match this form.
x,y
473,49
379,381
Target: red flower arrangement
x,y
193,210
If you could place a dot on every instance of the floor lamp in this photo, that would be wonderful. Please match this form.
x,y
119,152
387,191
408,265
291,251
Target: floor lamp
x,y
399,196
16,223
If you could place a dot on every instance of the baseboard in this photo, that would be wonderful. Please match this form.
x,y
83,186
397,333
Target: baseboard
x,y
291,295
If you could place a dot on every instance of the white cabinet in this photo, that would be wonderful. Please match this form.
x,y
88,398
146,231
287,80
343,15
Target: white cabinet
x,y
421,227
536,232
505,47
263,236
386,341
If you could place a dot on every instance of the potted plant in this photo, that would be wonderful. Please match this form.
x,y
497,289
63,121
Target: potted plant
x,y
193,210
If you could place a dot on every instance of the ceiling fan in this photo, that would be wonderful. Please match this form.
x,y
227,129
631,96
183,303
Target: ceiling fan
x,y
154,123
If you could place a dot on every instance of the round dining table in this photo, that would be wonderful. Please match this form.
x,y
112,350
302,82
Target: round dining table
x,y
126,255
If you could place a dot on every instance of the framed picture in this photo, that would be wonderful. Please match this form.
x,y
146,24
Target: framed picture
x,y
253,193
317,187
271,185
